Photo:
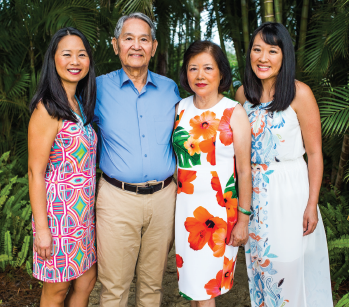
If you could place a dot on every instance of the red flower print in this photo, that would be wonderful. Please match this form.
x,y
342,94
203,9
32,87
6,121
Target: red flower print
x,y
201,228
226,133
213,287
179,117
231,204
216,185
179,263
228,273
185,177
204,125
254,237
209,147
218,238
192,145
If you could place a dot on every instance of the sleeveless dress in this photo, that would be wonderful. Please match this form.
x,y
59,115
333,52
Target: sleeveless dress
x,y
70,188
284,268
206,208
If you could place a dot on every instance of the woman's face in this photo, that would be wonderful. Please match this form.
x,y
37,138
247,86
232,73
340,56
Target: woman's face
x,y
203,74
71,60
266,60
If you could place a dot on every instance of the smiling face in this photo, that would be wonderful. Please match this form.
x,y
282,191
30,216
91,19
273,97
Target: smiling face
x,y
71,60
135,45
203,74
266,60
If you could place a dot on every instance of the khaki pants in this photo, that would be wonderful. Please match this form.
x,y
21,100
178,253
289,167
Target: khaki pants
x,y
134,232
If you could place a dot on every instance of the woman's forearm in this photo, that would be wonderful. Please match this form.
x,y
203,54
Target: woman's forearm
x,y
315,171
245,193
37,194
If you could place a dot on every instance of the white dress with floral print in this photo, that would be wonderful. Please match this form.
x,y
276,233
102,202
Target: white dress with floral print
x,y
284,267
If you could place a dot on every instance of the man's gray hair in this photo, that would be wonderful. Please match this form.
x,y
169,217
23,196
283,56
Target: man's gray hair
x,y
136,15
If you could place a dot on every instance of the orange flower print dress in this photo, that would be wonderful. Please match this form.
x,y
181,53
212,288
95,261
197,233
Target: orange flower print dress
x,y
206,209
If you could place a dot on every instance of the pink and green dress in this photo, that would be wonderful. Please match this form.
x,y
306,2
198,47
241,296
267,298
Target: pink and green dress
x,y
70,188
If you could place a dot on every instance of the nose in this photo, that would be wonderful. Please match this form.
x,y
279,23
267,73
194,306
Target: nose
x,y
200,75
264,56
75,59
137,45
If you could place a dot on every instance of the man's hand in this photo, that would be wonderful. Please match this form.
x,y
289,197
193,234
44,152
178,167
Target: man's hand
x,y
310,220
43,243
239,234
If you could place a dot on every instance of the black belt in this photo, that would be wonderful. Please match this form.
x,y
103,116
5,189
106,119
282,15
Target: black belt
x,y
148,189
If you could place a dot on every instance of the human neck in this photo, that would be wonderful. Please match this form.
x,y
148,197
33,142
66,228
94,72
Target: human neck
x,y
207,101
137,75
70,90
268,90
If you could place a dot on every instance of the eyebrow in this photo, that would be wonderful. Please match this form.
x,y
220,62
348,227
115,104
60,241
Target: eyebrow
x,y
203,65
125,34
70,50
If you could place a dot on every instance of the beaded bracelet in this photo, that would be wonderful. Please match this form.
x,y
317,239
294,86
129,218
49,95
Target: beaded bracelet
x,y
242,210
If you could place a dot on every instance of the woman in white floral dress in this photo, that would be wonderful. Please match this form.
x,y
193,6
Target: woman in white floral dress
x,y
286,256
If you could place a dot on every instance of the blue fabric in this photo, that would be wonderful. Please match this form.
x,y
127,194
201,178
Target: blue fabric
x,y
134,139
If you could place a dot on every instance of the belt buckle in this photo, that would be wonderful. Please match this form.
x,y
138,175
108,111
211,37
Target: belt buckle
x,y
145,188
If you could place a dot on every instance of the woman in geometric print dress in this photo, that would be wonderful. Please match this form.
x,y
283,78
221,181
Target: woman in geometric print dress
x,y
62,172
209,131
286,256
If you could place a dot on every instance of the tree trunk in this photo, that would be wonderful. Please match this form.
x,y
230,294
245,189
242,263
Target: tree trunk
x,y
199,6
278,10
233,20
302,36
268,10
342,162
244,11
221,39
179,51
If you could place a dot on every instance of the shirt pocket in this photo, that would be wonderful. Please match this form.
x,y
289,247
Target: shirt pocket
x,y
163,131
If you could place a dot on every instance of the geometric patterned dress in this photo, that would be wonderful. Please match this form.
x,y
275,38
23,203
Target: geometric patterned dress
x,y
70,188
284,267
206,207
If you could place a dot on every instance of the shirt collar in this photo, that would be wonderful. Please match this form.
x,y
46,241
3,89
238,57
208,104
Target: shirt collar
x,y
124,78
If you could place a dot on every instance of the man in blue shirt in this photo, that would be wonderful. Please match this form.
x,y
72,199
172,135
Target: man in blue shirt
x,y
135,113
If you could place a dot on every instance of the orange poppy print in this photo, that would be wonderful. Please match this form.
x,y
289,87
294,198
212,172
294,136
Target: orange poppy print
x,y
213,287
216,185
179,117
218,238
201,227
228,273
231,204
192,145
205,125
209,147
185,177
226,133
179,263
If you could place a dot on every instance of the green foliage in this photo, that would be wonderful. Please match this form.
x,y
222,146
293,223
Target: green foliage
x,y
344,302
334,209
15,217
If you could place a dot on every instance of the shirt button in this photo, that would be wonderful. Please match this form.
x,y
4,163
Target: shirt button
x,y
145,175
141,116
145,155
143,135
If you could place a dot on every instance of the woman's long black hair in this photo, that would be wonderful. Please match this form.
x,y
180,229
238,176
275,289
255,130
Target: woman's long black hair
x,y
50,89
274,34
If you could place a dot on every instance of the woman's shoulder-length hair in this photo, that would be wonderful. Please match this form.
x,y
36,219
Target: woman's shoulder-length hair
x,y
216,52
50,90
274,34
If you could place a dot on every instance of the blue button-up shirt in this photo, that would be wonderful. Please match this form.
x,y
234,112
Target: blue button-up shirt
x,y
135,128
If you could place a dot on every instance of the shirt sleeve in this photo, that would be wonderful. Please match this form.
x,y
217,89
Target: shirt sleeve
x,y
176,90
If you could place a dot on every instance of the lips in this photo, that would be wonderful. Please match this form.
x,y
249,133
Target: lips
x,y
200,84
74,71
136,55
263,67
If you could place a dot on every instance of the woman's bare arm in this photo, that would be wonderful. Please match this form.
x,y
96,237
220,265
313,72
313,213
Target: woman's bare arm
x,y
42,131
242,145
240,95
308,115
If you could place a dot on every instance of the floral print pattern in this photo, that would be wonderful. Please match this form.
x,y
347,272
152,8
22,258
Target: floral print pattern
x,y
205,212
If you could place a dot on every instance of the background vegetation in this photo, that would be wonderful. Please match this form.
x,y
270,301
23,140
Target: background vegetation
x,y
320,32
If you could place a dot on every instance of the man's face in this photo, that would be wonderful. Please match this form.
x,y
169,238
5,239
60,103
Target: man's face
x,y
135,46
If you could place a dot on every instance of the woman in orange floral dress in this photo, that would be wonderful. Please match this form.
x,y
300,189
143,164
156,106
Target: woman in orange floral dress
x,y
212,141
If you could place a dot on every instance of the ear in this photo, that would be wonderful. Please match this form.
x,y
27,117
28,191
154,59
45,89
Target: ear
x,y
155,46
115,45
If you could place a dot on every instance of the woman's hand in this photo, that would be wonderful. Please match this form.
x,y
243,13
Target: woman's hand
x,y
310,219
43,243
239,234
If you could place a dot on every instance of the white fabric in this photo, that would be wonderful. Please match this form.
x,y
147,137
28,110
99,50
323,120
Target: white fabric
x,y
284,268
